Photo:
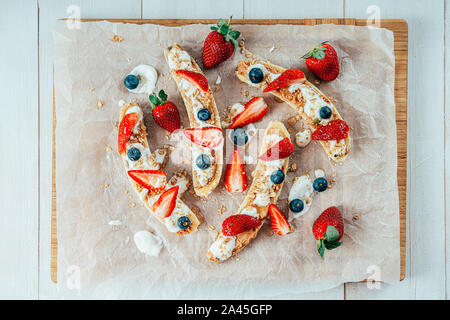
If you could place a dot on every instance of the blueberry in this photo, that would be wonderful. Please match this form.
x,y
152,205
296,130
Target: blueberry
x,y
320,184
325,112
239,137
131,81
134,154
204,114
296,205
183,222
256,75
203,161
277,176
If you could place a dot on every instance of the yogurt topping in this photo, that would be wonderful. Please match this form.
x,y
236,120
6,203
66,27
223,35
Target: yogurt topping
x,y
148,243
223,247
303,138
147,76
250,211
302,189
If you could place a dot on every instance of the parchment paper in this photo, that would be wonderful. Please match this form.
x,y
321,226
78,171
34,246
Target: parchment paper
x,y
97,260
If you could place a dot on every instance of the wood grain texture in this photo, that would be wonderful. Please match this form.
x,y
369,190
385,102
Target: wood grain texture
x,y
49,12
19,134
425,249
399,28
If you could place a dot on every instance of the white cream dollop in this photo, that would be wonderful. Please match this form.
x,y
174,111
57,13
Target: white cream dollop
x,y
250,211
302,189
148,243
147,76
303,138
223,247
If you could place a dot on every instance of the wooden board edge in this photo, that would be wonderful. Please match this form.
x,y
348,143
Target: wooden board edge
x,y
401,26
54,238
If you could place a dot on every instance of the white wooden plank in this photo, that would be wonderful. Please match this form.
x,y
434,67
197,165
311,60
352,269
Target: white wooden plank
x,y
19,140
447,143
425,271
194,9
49,12
293,9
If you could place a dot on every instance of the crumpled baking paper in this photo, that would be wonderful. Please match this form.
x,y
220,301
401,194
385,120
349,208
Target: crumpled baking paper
x,y
98,260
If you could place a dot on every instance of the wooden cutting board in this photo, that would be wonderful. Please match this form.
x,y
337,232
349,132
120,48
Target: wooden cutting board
x,y
400,29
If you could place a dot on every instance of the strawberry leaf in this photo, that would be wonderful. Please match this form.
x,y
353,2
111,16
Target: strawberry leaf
x,y
221,22
162,95
331,235
224,29
234,34
154,100
214,28
332,245
320,247
234,42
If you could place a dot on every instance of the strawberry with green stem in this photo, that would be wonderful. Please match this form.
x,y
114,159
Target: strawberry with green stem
x,y
323,61
328,229
220,44
164,112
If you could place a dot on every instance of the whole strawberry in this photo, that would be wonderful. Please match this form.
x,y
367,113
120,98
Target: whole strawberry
x,y
219,44
165,112
323,61
328,229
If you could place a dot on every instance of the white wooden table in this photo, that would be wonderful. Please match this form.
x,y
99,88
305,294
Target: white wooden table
x,y
26,130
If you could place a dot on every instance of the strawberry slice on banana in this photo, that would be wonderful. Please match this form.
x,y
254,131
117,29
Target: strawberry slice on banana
x,y
239,223
280,150
287,78
196,78
235,176
164,206
335,130
126,129
208,137
154,180
254,111
279,223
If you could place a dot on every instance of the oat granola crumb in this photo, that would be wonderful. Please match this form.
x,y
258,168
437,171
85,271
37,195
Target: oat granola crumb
x,y
117,38
212,228
293,167
248,54
292,120
108,148
241,43
133,204
105,186
356,217
246,94
126,191
91,89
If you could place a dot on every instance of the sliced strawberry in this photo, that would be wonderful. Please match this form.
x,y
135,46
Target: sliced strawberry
x,y
287,78
164,206
239,223
154,180
208,137
335,130
197,79
235,177
279,223
282,149
254,111
126,129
